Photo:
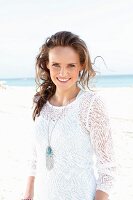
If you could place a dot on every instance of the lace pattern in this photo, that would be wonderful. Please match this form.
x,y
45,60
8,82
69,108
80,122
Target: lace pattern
x,y
84,108
92,116
53,113
99,128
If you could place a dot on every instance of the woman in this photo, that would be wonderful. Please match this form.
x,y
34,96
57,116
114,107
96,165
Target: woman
x,y
71,126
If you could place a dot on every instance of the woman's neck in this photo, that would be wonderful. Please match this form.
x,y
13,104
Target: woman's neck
x,y
61,98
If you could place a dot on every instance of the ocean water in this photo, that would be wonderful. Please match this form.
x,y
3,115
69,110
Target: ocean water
x,y
113,81
98,81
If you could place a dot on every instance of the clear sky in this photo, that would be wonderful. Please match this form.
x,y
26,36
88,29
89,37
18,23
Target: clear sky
x,y
106,27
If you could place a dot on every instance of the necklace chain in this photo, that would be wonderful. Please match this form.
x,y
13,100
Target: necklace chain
x,y
63,111
49,150
49,137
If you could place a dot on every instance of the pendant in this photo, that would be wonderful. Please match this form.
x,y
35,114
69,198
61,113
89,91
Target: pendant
x,y
49,158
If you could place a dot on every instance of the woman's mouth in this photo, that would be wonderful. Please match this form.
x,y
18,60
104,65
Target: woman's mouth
x,y
63,80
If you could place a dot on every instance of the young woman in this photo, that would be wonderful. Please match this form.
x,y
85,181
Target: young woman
x,y
71,126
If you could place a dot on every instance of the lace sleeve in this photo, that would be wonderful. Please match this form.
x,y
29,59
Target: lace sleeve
x,y
101,139
32,161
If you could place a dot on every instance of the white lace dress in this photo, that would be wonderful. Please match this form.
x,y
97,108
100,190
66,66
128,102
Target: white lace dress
x,y
81,136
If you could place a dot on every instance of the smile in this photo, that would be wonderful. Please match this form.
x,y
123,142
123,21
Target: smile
x,y
63,80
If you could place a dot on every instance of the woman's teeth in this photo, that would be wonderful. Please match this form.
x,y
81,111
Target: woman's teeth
x,y
63,80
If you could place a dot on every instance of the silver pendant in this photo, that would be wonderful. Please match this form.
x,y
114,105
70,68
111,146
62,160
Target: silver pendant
x,y
49,158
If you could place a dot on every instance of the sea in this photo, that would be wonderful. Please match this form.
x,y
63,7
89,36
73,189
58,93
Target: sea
x,y
97,81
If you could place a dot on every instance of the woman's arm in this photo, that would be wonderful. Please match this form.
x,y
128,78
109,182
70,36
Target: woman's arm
x,y
29,193
101,139
32,167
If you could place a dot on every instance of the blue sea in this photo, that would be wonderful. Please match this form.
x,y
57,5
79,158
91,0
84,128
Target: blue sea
x,y
98,81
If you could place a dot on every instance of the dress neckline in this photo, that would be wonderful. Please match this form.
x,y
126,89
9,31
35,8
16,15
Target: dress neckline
x,y
60,107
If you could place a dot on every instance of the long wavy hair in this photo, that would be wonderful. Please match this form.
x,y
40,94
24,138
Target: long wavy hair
x,y
45,86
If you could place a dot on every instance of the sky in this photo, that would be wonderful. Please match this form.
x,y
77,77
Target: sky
x,y
105,26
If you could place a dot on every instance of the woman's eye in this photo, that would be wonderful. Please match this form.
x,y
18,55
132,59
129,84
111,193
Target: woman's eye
x,y
72,65
55,65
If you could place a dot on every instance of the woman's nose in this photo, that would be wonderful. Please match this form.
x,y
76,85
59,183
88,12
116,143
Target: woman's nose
x,y
63,72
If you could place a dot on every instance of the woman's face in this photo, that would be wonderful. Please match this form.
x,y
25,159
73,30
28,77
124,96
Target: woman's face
x,y
64,66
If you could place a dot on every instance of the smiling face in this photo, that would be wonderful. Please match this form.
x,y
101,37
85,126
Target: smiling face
x,y
64,66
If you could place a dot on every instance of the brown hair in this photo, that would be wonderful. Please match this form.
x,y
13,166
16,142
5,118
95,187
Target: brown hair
x,y
46,88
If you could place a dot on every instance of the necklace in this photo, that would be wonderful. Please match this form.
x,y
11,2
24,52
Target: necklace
x,y
49,150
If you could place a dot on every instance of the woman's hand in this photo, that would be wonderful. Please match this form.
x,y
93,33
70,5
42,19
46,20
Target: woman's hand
x,y
26,199
28,195
100,195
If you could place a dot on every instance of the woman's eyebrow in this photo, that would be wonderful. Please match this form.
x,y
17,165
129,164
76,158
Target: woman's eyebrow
x,y
55,62
67,64
72,63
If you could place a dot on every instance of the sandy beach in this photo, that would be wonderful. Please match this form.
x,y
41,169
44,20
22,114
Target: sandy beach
x,y
15,129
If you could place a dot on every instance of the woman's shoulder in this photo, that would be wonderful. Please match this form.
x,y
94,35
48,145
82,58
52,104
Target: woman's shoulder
x,y
89,95
92,97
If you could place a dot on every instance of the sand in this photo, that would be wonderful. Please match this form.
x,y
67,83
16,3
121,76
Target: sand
x,y
15,129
